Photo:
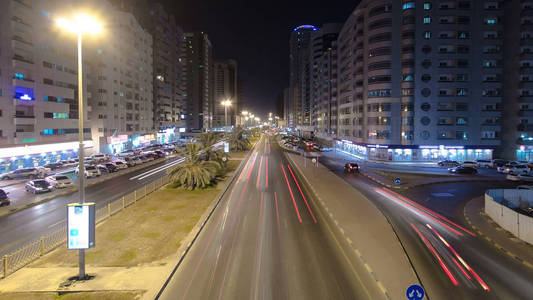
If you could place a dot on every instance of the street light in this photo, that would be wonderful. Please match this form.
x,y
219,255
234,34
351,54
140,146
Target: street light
x,y
80,24
226,103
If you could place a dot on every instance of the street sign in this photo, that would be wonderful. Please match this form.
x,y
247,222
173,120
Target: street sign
x,y
226,147
80,225
397,181
415,292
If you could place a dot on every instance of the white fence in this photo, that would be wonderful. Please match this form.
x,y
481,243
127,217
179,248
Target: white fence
x,y
518,224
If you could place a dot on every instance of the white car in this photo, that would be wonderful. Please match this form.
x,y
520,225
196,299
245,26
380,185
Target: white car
x,y
120,164
472,164
90,171
514,169
99,157
525,177
59,181
484,163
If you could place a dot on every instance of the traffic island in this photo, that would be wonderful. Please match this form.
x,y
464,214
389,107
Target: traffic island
x,y
136,249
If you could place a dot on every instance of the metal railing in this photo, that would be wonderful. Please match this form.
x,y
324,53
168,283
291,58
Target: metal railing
x,y
33,250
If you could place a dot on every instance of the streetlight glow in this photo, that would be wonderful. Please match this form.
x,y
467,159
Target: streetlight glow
x,y
81,23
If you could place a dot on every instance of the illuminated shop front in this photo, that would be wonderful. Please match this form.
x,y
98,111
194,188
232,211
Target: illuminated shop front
x,y
12,158
167,135
117,144
406,153
524,153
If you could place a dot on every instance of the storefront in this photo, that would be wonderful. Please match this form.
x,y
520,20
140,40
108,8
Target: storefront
x,y
524,153
12,158
166,135
409,153
117,144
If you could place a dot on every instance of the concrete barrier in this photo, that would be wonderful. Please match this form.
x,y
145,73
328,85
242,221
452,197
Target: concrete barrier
x,y
518,224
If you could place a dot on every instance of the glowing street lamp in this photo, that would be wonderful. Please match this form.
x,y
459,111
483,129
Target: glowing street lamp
x,y
80,24
226,103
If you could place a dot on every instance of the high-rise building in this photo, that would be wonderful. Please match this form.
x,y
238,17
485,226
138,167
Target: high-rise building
x,y
323,60
38,85
225,87
420,80
121,91
198,56
299,113
169,89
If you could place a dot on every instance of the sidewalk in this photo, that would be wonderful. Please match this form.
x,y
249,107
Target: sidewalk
x,y
494,234
362,227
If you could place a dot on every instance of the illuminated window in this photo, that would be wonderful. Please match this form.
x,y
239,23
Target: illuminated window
x,y
427,20
408,5
427,34
427,6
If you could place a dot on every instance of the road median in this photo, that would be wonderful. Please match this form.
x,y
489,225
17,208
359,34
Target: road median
x,y
365,232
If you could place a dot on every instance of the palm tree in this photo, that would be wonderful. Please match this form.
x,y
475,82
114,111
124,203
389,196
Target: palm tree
x,y
237,140
194,172
208,140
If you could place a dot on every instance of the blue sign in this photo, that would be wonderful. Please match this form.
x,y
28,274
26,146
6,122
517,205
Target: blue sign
x,y
415,292
397,181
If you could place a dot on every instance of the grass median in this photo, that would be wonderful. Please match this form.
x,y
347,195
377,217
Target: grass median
x,y
146,233
72,296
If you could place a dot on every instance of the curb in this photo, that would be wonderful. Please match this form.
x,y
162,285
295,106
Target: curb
x,y
493,243
72,190
325,211
184,249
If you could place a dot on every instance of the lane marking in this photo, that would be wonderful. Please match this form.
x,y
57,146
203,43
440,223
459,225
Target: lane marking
x,y
292,196
305,200
266,168
166,165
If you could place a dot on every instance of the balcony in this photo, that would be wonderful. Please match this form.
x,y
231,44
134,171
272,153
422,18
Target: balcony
x,y
21,58
23,3
22,40
23,120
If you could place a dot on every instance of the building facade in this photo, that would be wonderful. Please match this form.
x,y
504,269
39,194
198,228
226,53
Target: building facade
x,y
225,87
421,80
197,55
121,90
300,113
38,86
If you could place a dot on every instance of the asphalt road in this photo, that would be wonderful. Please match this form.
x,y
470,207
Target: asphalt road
x,y
30,224
266,241
446,257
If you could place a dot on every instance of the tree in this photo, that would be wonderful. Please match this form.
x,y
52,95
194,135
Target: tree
x,y
237,140
208,140
195,172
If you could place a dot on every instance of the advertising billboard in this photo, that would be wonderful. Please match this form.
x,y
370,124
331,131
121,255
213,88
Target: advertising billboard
x,y
80,225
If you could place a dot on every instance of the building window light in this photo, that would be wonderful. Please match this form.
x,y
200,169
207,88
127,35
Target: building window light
x,y
427,6
427,20
427,34
408,5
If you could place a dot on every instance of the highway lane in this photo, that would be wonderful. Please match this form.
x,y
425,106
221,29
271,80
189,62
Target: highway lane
x,y
266,241
32,223
487,273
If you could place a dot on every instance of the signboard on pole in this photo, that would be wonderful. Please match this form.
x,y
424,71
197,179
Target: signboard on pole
x,y
226,147
80,225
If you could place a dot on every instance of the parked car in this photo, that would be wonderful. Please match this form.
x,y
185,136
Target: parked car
x,y
4,199
520,177
120,164
484,163
525,187
448,163
59,181
90,171
160,153
351,168
98,158
53,166
463,170
468,163
132,161
21,173
515,169
499,163
111,167
38,186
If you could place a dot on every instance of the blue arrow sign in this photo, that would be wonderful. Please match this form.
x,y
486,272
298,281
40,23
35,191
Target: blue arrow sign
x,y
397,181
415,292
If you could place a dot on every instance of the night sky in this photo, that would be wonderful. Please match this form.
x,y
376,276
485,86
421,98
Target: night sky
x,y
256,34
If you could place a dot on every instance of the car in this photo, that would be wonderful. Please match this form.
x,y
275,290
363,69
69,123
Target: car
x,y
515,169
468,163
525,187
321,148
111,167
4,199
351,168
483,163
499,163
131,161
59,181
463,170
21,173
448,163
160,153
120,164
90,171
528,177
53,166
99,157
38,186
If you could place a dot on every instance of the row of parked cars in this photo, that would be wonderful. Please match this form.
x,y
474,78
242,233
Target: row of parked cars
x,y
308,144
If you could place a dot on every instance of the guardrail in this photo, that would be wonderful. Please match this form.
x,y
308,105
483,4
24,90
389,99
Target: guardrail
x,y
33,250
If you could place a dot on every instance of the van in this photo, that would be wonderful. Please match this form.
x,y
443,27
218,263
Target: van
x,y
484,163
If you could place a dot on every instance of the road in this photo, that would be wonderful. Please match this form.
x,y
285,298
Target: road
x,y
448,259
32,223
265,240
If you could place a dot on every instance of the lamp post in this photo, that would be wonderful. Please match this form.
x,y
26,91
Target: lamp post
x,y
226,104
79,25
